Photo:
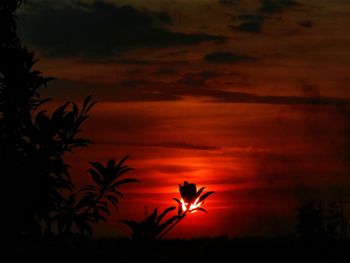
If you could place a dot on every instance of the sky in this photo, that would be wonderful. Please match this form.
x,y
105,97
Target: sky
x,y
248,98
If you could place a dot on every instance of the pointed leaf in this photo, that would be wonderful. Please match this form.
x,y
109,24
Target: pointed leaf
x,y
95,176
152,218
160,217
204,196
200,191
110,165
177,200
166,224
200,209
132,224
104,209
119,165
125,181
99,167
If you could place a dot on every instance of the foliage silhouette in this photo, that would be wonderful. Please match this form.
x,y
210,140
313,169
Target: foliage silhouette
x,y
316,221
33,145
94,205
151,228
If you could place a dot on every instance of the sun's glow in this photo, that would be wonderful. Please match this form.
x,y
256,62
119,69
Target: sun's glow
x,y
192,206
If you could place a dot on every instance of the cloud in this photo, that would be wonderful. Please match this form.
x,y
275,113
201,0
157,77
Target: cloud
x,y
251,23
192,85
310,90
306,23
99,29
229,2
174,145
226,57
174,169
242,97
274,6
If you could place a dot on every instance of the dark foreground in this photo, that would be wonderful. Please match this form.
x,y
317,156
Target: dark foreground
x,y
221,249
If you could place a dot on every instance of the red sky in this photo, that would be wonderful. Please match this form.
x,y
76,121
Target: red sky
x,y
247,98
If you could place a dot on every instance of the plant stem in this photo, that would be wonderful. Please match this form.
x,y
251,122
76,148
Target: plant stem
x,y
173,225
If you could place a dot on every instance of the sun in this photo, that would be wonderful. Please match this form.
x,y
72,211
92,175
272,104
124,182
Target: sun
x,y
192,208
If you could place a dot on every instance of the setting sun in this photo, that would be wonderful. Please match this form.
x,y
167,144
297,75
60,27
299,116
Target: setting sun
x,y
193,206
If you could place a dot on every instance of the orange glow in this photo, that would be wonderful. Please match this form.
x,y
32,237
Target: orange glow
x,y
192,207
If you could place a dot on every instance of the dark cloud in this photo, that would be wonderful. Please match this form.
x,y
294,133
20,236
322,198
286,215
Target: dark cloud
x,y
174,169
242,97
199,78
165,71
274,6
98,29
251,23
310,90
306,23
251,27
229,2
175,145
190,85
226,57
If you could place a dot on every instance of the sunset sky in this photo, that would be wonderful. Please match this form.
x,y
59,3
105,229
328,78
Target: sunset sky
x,y
249,98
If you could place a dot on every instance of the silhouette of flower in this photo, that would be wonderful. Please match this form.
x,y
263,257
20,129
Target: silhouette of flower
x,y
188,192
191,199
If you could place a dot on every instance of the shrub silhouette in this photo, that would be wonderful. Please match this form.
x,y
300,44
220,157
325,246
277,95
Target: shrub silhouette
x,y
152,226
316,221
96,198
33,145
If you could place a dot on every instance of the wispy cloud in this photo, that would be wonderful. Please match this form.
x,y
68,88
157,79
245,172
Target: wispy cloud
x,y
226,57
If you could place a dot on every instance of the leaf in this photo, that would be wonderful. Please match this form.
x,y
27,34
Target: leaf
x,y
125,181
58,113
99,167
85,201
95,176
160,217
88,104
119,165
123,170
104,209
166,224
204,196
112,198
110,165
200,209
177,200
132,224
152,218
116,192
200,191
88,187
179,210
100,217
88,228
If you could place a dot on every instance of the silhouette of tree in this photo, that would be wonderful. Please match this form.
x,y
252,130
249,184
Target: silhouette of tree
x,y
310,221
317,222
33,145
96,198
